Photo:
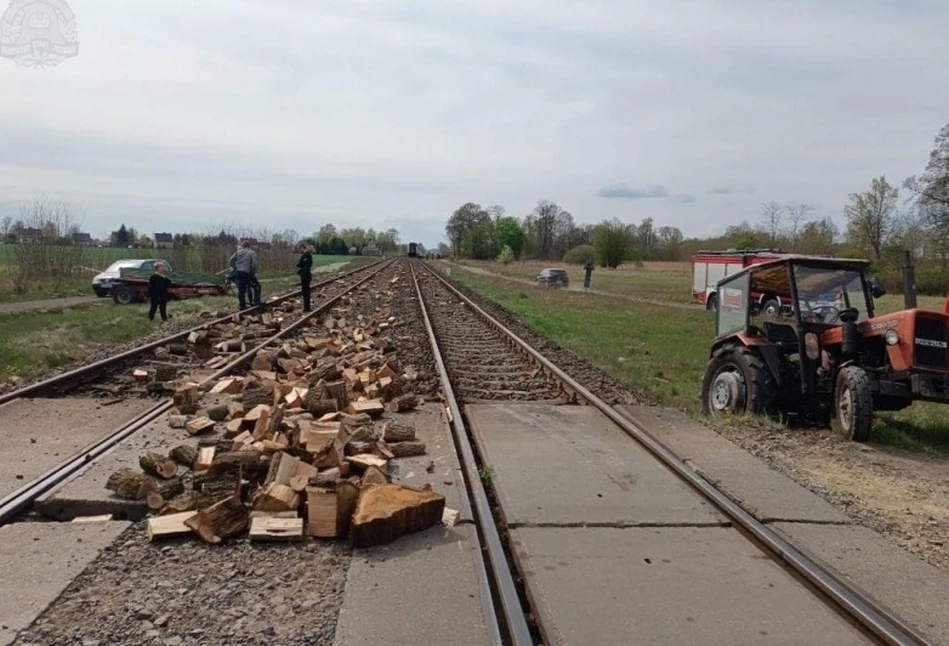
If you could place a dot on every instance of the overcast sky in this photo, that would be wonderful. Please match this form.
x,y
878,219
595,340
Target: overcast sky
x,y
289,114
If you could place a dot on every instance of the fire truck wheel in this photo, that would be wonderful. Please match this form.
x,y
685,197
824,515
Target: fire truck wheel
x,y
736,381
853,404
771,308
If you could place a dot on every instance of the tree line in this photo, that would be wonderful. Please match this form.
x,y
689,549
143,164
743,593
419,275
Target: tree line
x,y
879,223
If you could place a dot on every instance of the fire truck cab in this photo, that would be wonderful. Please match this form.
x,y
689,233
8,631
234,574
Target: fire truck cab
x,y
710,267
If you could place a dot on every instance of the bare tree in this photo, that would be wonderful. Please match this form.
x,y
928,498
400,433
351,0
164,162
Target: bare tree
x,y
872,219
772,214
6,226
797,214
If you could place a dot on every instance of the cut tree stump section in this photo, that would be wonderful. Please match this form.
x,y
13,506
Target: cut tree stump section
x,y
386,512
158,465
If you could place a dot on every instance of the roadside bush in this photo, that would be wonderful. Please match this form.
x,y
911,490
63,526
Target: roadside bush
x,y
930,281
579,254
506,256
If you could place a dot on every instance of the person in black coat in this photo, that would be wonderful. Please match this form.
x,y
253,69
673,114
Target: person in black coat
x,y
305,270
158,292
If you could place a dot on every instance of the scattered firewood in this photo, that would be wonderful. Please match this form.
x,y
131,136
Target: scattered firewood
x,y
387,511
407,449
184,454
186,398
397,432
337,390
177,421
158,465
185,501
169,525
276,497
403,403
130,484
218,412
268,528
228,385
139,375
248,462
374,475
450,517
220,521
199,425
165,490
205,457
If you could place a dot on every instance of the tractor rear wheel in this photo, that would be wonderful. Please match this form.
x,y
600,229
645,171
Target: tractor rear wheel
x,y
853,404
736,382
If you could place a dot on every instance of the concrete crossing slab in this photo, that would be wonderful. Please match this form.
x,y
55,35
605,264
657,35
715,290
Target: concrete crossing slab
x,y
554,465
915,590
668,585
39,560
422,589
762,491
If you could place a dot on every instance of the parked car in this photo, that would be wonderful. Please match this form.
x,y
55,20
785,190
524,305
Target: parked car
x,y
551,277
103,283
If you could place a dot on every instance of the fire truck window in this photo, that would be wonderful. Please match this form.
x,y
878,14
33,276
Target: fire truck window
x,y
698,277
733,305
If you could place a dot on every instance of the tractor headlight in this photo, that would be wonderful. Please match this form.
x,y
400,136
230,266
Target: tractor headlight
x,y
891,337
811,346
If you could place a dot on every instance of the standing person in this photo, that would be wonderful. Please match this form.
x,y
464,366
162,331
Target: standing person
x,y
244,263
305,270
588,274
158,292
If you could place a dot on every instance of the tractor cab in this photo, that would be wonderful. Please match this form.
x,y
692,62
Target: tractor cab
x,y
823,354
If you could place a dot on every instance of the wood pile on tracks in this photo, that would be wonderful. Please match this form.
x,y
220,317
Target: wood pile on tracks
x,y
300,445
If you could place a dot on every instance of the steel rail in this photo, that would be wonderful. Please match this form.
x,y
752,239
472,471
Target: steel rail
x,y
16,502
514,622
74,378
878,620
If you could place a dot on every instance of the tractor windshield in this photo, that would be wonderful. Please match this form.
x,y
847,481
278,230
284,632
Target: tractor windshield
x,y
824,292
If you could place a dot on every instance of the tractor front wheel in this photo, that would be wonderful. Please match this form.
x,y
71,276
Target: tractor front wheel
x,y
736,382
853,404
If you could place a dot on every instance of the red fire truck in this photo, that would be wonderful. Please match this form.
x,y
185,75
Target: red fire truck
x,y
709,267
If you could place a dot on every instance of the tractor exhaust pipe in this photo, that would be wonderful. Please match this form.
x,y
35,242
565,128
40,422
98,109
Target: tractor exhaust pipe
x,y
909,281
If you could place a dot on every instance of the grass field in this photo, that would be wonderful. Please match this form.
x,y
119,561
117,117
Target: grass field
x,y
99,259
662,351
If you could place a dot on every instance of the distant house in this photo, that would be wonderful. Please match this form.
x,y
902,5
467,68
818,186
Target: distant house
x,y
82,239
29,235
164,241
371,250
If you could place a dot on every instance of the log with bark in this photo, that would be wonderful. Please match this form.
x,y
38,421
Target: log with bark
x,y
130,484
397,432
218,412
403,403
276,497
166,490
220,521
184,454
186,501
199,425
165,372
248,462
387,511
158,465
407,449
337,390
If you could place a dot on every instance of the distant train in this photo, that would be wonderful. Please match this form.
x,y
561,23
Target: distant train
x,y
413,249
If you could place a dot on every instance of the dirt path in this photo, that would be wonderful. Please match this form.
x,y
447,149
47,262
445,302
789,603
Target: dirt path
x,y
51,304
575,288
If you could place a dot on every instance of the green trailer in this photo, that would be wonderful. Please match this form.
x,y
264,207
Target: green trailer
x,y
132,285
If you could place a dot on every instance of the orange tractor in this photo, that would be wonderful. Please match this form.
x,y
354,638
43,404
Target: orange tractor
x,y
825,354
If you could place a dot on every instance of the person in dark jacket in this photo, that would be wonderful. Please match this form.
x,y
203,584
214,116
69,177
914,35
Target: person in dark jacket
x,y
305,270
244,263
588,274
158,292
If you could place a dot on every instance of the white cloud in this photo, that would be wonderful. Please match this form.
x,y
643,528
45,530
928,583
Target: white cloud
x,y
399,112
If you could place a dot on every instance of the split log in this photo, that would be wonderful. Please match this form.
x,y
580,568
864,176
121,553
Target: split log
x,y
330,509
221,520
199,425
337,390
262,361
186,501
218,412
178,348
235,427
165,491
216,486
450,517
158,465
139,375
184,454
397,432
165,372
240,441
276,497
366,460
130,484
356,448
403,403
268,528
407,449
186,398
177,421
386,512
169,525
255,397
205,458
374,476
230,385
248,462
325,479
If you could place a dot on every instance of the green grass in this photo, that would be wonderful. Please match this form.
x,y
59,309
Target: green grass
x,y
662,351
35,342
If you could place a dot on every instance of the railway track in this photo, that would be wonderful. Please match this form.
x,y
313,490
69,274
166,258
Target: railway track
x,y
329,292
480,361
